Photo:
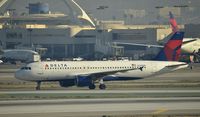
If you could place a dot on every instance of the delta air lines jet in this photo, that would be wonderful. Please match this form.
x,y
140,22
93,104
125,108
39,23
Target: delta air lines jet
x,y
190,45
86,73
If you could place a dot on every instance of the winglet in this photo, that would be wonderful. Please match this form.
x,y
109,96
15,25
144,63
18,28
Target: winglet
x,y
173,22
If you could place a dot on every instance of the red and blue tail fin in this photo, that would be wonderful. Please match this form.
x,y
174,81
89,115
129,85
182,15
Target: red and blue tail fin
x,y
173,22
172,49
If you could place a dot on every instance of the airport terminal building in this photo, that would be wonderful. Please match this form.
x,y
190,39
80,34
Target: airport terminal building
x,y
75,41
66,36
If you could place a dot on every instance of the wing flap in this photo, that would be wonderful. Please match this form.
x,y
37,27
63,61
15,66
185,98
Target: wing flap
x,y
139,44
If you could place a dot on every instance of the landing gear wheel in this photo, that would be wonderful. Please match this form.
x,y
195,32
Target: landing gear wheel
x,y
92,86
38,85
102,86
37,88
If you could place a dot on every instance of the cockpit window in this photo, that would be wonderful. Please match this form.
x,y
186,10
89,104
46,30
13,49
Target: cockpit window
x,y
26,68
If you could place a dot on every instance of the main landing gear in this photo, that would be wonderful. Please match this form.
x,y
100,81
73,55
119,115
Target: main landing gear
x,y
92,86
102,86
38,85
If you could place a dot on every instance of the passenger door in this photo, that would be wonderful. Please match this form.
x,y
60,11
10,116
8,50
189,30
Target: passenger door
x,y
40,71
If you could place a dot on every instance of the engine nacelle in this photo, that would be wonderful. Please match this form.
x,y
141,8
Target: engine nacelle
x,y
83,81
78,81
67,83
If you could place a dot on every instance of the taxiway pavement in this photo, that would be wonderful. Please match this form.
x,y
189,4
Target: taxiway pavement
x,y
100,107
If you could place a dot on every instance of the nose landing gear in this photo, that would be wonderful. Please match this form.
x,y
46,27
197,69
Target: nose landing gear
x,y
38,85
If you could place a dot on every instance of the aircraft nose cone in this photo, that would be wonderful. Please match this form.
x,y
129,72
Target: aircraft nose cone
x,y
18,74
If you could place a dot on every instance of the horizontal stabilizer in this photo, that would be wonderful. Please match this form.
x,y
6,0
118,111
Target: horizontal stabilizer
x,y
174,66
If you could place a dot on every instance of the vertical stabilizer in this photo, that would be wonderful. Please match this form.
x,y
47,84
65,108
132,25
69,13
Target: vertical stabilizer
x,y
172,49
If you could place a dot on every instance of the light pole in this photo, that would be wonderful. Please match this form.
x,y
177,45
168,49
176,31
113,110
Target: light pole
x,y
159,17
30,34
183,7
11,12
102,8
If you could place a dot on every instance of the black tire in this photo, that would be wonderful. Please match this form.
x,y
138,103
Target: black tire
x,y
102,86
37,88
92,86
38,85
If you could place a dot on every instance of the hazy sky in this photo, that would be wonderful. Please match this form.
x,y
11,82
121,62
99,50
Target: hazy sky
x,y
116,8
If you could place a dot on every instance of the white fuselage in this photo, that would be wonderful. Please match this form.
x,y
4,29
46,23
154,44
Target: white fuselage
x,y
192,46
55,71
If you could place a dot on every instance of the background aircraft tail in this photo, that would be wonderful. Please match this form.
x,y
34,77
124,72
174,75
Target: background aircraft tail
x,y
173,22
172,49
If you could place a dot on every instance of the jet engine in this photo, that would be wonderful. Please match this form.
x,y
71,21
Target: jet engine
x,y
79,81
83,81
67,83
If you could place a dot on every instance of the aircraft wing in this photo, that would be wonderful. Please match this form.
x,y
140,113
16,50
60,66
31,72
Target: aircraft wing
x,y
137,44
188,40
99,75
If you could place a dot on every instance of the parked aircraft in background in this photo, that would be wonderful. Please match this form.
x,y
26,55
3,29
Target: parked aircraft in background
x,y
190,45
86,73
1,61
21,55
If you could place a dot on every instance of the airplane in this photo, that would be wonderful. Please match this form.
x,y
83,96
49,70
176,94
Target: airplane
x,y
22,55
190,45
1,61
86,73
